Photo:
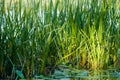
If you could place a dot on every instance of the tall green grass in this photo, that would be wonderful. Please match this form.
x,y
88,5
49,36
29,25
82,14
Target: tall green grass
x,y
38,36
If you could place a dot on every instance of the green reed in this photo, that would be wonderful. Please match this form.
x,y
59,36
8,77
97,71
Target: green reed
x,y
38,36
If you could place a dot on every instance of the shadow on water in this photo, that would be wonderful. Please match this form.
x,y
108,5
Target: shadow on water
x,y
74,74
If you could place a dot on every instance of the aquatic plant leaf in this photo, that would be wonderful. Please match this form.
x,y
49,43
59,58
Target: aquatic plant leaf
x,y
59,73
83,73
20,74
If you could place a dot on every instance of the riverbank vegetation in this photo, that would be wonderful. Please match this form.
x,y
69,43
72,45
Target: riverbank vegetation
x,y
36,37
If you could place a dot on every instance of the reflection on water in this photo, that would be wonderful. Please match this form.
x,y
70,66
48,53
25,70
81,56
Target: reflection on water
x,y
70,74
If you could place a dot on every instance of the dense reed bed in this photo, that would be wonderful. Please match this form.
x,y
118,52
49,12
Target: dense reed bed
x,y
38,36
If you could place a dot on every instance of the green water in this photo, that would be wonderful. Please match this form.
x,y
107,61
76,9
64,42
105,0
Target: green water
x,y
70,74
